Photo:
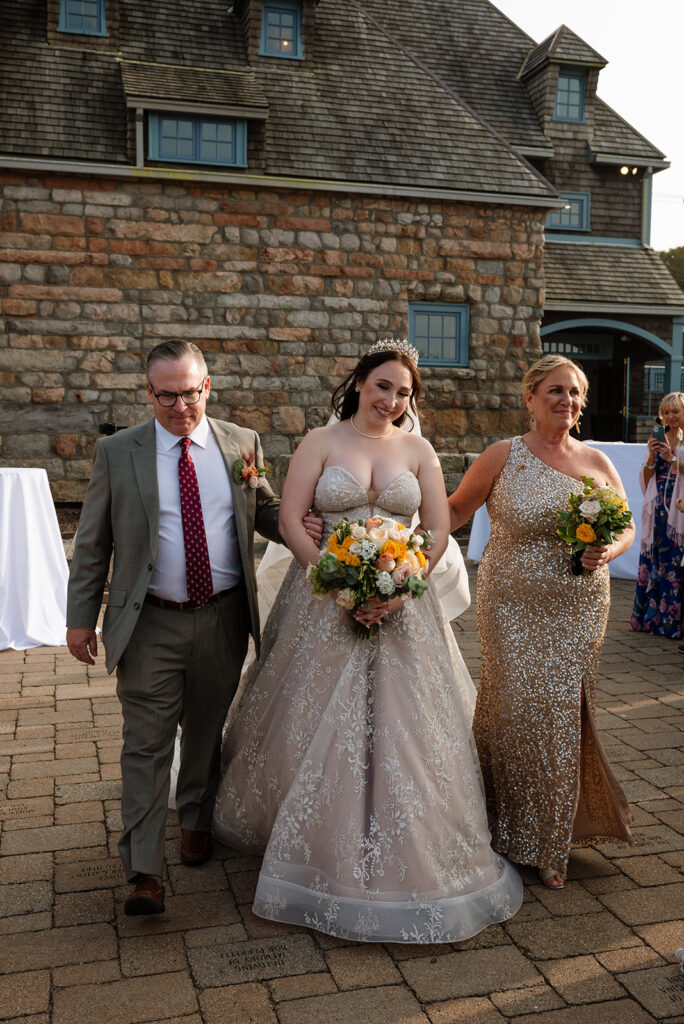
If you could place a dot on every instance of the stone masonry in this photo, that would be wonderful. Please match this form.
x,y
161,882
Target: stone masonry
x,y
282,290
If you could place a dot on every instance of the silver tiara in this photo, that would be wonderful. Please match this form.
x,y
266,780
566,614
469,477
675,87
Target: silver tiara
x,y
396,345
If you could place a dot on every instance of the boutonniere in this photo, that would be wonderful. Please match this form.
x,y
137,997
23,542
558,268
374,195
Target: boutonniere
x,y
247,473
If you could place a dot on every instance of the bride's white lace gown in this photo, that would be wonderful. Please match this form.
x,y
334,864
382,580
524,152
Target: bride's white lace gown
x,y
351,764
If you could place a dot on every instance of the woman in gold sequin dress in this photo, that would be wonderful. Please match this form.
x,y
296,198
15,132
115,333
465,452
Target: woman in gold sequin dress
x,y
548,781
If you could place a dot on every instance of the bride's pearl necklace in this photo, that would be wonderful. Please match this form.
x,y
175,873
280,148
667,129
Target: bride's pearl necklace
x,y
371,437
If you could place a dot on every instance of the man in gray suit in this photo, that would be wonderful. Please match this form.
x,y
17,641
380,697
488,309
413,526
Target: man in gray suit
x,y
178,517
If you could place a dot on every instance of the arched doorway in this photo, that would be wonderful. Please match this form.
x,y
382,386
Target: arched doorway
x,y
613,354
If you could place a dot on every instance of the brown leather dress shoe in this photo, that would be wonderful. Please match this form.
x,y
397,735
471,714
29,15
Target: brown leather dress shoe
x,y
147,897
195,847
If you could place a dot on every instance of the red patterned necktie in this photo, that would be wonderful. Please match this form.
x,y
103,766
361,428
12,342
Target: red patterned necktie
x,y
197,567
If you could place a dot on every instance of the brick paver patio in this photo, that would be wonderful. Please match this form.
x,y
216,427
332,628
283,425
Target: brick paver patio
x,y
601,950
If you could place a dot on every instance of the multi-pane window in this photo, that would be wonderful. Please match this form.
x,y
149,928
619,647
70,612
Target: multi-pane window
x,y
84,16
196,140
570,96
281,29
574,216
440,332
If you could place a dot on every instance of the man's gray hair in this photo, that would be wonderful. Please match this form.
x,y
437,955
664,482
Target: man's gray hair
x,y
174,350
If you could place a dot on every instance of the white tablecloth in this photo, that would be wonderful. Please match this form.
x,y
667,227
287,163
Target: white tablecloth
x,y
627,459
33,568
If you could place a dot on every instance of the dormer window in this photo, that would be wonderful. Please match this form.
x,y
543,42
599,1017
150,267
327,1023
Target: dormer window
x,y
570,96
574,216
281,29
180,138
85,17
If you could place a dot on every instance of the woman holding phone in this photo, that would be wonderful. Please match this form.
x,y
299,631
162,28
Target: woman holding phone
x,y
658,597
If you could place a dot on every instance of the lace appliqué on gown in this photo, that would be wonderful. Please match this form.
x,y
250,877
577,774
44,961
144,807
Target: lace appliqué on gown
x,y
351,764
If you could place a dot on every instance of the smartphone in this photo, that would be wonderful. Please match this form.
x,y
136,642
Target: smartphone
x,y
658,433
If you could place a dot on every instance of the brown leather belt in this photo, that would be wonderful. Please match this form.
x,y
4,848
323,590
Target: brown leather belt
x,y
186,606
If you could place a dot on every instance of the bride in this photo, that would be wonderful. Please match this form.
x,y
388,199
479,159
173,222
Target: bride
x,y
350,762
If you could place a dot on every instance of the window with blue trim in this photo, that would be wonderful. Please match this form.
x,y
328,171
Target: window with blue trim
x,y
86,17
575,215
197,140
570,97
440,332
281,29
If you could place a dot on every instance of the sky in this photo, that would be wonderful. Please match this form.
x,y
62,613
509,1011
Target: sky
x,y
643,44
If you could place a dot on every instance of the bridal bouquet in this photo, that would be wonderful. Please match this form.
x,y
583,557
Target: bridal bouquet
x,y
377,557
596,516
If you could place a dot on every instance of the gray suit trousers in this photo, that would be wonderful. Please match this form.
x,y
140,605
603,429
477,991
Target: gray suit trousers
x,y
178,667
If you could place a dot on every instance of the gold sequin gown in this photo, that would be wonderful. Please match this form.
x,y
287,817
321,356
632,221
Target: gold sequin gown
x,y
547,778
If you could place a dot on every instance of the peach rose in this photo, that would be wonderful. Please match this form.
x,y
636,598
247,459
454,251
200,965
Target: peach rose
x,y
373,522
385,564
401,574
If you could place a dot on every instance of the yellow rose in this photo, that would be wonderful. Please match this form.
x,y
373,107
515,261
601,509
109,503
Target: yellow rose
x,y
585,533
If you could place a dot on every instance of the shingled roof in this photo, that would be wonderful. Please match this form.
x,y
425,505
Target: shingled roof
x,y
562,47
418,92
609,274
206,85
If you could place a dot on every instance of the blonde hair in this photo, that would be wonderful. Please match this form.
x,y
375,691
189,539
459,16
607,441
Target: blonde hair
x,y
540,370
675,398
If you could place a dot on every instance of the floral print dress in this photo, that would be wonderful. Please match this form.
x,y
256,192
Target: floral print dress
x,y
657,601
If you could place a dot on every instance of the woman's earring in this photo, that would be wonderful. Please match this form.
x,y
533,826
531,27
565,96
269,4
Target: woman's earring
x,y
577,424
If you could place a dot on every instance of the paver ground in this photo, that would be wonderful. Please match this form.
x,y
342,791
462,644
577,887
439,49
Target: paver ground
x,y
601,950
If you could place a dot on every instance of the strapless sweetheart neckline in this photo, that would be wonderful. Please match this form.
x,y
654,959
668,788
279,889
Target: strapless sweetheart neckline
x,y
378,494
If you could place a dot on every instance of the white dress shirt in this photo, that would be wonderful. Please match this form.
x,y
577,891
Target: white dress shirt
x,y
168,579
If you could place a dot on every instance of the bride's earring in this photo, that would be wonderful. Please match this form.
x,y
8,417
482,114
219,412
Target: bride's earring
x,y
577,424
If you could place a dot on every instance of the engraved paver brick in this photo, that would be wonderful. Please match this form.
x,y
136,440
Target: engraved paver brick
x,y
24,993
255,960
59,837
647,906
129,1001
469,973
238,1004
580,979
659,989
32,806
367,1006
362,967
85,875
563,936
58,946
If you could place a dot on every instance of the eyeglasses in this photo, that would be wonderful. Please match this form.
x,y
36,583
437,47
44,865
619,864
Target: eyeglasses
x,y
167,399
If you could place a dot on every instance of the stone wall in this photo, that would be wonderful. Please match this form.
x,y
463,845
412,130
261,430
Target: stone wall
x,y
282,290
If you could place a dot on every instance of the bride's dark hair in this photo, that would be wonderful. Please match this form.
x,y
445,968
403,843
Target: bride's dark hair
x,y
345,398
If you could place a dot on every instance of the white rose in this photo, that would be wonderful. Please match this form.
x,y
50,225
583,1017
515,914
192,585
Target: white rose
x,y
378,536
395,534
346,598
358,532
590,509
385,583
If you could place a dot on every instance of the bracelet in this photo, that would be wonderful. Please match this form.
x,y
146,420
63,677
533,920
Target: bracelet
x,y
649,465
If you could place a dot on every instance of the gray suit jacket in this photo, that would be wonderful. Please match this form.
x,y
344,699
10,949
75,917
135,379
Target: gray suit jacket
x,y
120,516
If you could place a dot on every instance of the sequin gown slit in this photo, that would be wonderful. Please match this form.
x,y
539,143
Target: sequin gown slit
x,y
351,765
547,778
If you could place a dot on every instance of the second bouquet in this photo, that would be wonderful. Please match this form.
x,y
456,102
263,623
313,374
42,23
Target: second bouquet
x,y
376,557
